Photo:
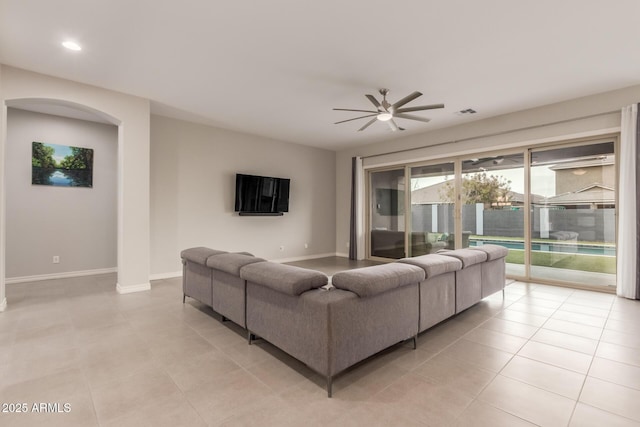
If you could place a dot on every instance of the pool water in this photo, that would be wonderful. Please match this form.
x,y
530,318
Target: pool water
x,y
551,247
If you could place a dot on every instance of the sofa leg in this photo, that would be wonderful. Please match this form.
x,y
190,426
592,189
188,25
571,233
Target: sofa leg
x,y
415,342
183,298
502,293
249,337
329,385
224,319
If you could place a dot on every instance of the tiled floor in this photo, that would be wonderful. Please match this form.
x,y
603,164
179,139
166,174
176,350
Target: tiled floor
x,y
543,356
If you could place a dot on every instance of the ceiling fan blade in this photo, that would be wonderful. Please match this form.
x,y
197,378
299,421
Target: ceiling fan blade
x,y
360,111
357,118
411,117
369,123
421,108
374,101
405,100
394,127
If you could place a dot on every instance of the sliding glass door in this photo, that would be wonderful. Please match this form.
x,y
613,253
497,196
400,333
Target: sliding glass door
x,y
573,208
553,207
386,214
432,208
493,205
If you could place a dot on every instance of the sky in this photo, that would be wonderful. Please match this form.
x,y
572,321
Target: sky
x,y
61,151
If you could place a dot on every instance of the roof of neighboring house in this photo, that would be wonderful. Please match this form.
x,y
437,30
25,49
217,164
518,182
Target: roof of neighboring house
x,y
593,193
432,195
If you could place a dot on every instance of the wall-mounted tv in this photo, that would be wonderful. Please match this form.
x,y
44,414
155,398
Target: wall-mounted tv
x,y
261,195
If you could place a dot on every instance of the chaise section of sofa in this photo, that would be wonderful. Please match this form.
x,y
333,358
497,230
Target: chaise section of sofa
x,y
196,276
228,290
438,289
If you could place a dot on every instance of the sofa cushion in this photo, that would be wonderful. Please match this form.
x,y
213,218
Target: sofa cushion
x,y
231,263
283,278
373,280
468,257
199,255
434,264
492,251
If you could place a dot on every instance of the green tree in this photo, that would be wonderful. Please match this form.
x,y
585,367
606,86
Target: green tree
x,y
42,156
491,190
80,158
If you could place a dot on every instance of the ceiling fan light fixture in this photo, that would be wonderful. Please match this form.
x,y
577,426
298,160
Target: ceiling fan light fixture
x,y
71,45
384,117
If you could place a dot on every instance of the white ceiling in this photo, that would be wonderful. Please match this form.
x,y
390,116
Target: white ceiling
x,y
277,68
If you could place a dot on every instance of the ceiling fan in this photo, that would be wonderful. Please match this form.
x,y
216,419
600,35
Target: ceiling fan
x,y
386,112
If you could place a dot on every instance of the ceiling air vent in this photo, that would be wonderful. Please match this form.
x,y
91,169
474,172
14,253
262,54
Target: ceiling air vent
x,y
467,111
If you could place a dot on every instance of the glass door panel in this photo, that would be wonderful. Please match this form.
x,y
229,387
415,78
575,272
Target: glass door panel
x,y
386,214
573,214
493,206
432,208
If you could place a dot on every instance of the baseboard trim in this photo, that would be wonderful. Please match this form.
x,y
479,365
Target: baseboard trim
x,y
343,255
170,275
3,305
65,275
303,258
133,288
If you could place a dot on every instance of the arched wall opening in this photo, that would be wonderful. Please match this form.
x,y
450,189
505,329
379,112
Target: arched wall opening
x,y
131,115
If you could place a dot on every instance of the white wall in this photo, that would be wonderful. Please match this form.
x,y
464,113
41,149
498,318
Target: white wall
x,y
193,171
585,116
77,224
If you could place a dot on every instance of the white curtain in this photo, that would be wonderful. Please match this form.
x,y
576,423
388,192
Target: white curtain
x,y
627,249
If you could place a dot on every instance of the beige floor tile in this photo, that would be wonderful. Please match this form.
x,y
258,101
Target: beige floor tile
x,y
619,353
612,398
464,376
616,372
174,411
272,411
246,355
522,317
581,319
483,356
626,326
532,308
279,375
603,302
557,356
427,402
230,395
583,309
572,328
126,396
540,302
498,340
377,415
200,368
511,328
621,338
49,388
547,377
570,342
479,414
588,416
527,402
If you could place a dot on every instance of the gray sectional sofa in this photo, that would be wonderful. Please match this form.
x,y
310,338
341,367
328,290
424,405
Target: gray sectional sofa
x,y
363,311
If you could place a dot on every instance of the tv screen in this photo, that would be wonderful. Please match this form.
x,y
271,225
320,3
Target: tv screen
x,y
261,195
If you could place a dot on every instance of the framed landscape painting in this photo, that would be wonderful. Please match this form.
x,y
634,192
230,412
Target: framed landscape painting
x,y
61,165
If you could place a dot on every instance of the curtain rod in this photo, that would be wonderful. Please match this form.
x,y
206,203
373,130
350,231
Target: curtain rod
x,y
506,132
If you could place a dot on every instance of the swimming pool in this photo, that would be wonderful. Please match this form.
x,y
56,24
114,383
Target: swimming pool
x,y
575,248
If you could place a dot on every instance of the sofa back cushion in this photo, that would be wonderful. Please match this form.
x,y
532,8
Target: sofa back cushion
x,y
468,257
231,263
199,255
373,280
493,251
283,278
434,264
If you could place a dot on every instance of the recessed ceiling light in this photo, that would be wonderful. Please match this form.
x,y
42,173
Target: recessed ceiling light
x,y
71,45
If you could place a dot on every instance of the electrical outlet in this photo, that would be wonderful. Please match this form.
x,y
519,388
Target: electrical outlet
x,y
281,248
56,259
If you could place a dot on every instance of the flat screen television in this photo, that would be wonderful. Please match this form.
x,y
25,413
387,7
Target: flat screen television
x,y
261,195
